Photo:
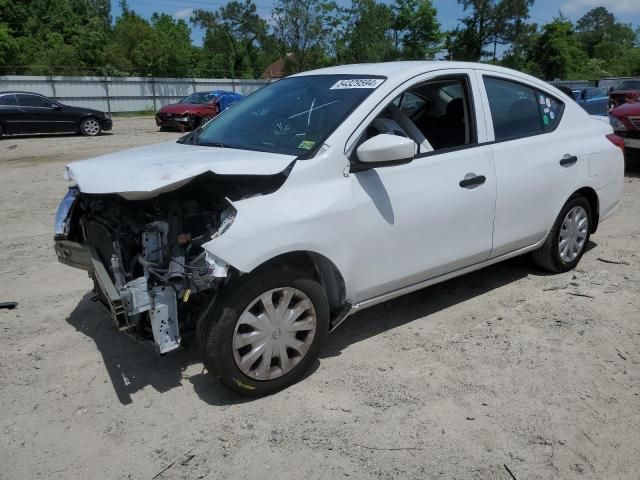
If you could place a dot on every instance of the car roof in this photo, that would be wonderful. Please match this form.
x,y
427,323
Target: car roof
x,y
402,69
218,92
13,92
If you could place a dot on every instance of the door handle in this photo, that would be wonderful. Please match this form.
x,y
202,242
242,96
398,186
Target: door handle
x,y
568,160
472,180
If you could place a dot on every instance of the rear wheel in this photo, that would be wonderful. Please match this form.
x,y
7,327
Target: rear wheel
x,y
568,238
90,127
264,331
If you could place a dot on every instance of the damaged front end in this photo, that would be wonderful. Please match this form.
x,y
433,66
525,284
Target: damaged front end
x,y
146,257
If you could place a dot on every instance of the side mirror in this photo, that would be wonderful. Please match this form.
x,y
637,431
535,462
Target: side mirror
x,y
384,150
55,108
584,95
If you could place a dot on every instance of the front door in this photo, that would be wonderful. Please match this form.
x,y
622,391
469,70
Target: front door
x,y
40,115
433,215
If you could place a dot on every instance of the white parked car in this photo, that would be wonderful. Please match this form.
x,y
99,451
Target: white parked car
x,y
329,192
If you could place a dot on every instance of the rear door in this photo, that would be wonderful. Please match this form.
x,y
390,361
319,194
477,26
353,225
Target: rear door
x,y
534,161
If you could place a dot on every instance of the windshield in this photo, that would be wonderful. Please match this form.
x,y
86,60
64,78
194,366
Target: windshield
x,y
199,98
629,85
292,116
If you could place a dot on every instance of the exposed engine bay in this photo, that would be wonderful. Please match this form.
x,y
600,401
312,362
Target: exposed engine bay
x,y
152,251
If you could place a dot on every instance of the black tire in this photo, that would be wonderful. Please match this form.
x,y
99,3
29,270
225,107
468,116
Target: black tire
x,y
90,127
547,256
215,330
1,131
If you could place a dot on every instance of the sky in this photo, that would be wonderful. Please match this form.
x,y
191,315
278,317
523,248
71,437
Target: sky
x,y
543,11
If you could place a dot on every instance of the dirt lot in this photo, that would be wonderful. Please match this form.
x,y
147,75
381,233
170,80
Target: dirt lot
x,y
507,366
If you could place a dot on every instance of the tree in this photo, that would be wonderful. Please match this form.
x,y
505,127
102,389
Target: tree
x,y
557,53
57,36
417,29
368,33
520,52
129,31
303,28
604,39
8,47
489,23
594,27
236,39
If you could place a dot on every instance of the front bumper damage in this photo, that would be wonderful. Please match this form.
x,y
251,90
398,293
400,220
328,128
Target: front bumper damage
x,y
132,299
127,301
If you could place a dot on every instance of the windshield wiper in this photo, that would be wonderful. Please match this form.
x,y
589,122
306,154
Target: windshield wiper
x,y
215,144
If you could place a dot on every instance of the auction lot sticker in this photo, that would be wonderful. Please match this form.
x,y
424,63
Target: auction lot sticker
x,y
357,83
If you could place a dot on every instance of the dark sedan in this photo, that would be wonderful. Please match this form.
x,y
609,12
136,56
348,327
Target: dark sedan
x,y
24,112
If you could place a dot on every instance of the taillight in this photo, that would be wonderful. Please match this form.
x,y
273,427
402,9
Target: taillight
x,y
616,140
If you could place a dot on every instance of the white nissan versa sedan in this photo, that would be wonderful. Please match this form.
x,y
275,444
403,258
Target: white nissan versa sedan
x,y
329,192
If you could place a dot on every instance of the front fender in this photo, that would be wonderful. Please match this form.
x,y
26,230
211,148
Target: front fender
x,y
317,221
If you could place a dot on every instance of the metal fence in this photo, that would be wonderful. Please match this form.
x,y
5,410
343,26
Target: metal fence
x,y
123,94
604,83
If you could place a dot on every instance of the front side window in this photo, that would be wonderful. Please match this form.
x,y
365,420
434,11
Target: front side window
x,y
34,101
518,110
293,116
8,100
435,114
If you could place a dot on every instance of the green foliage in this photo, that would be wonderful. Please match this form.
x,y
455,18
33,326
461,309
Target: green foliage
x,y
417,28
235,40
557,53
78,37
367,36
488,24
302,31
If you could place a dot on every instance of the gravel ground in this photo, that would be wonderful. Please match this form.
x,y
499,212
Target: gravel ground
x,y
503,368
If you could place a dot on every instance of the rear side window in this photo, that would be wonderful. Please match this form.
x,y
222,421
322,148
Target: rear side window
x,y
8,100
33,101
518,110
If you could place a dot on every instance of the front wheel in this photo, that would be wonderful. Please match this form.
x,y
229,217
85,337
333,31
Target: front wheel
x,y
90,127
568,238
264,330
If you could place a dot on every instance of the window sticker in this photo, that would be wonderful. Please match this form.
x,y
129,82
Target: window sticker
x,y
542,101
357,83
548,102
552,115
546,110
545,119
307,144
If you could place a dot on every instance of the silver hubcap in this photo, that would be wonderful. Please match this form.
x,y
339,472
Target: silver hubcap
x,y
573,234
91,127
274,333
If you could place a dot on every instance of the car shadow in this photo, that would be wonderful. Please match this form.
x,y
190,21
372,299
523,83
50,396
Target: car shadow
x,y
17,136
429,300
132,365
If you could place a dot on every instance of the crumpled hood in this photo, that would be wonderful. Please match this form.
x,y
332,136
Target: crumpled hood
x,y
145,172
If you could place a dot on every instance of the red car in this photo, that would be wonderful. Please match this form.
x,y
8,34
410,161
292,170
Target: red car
x,y
625,120
627,91
196,109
